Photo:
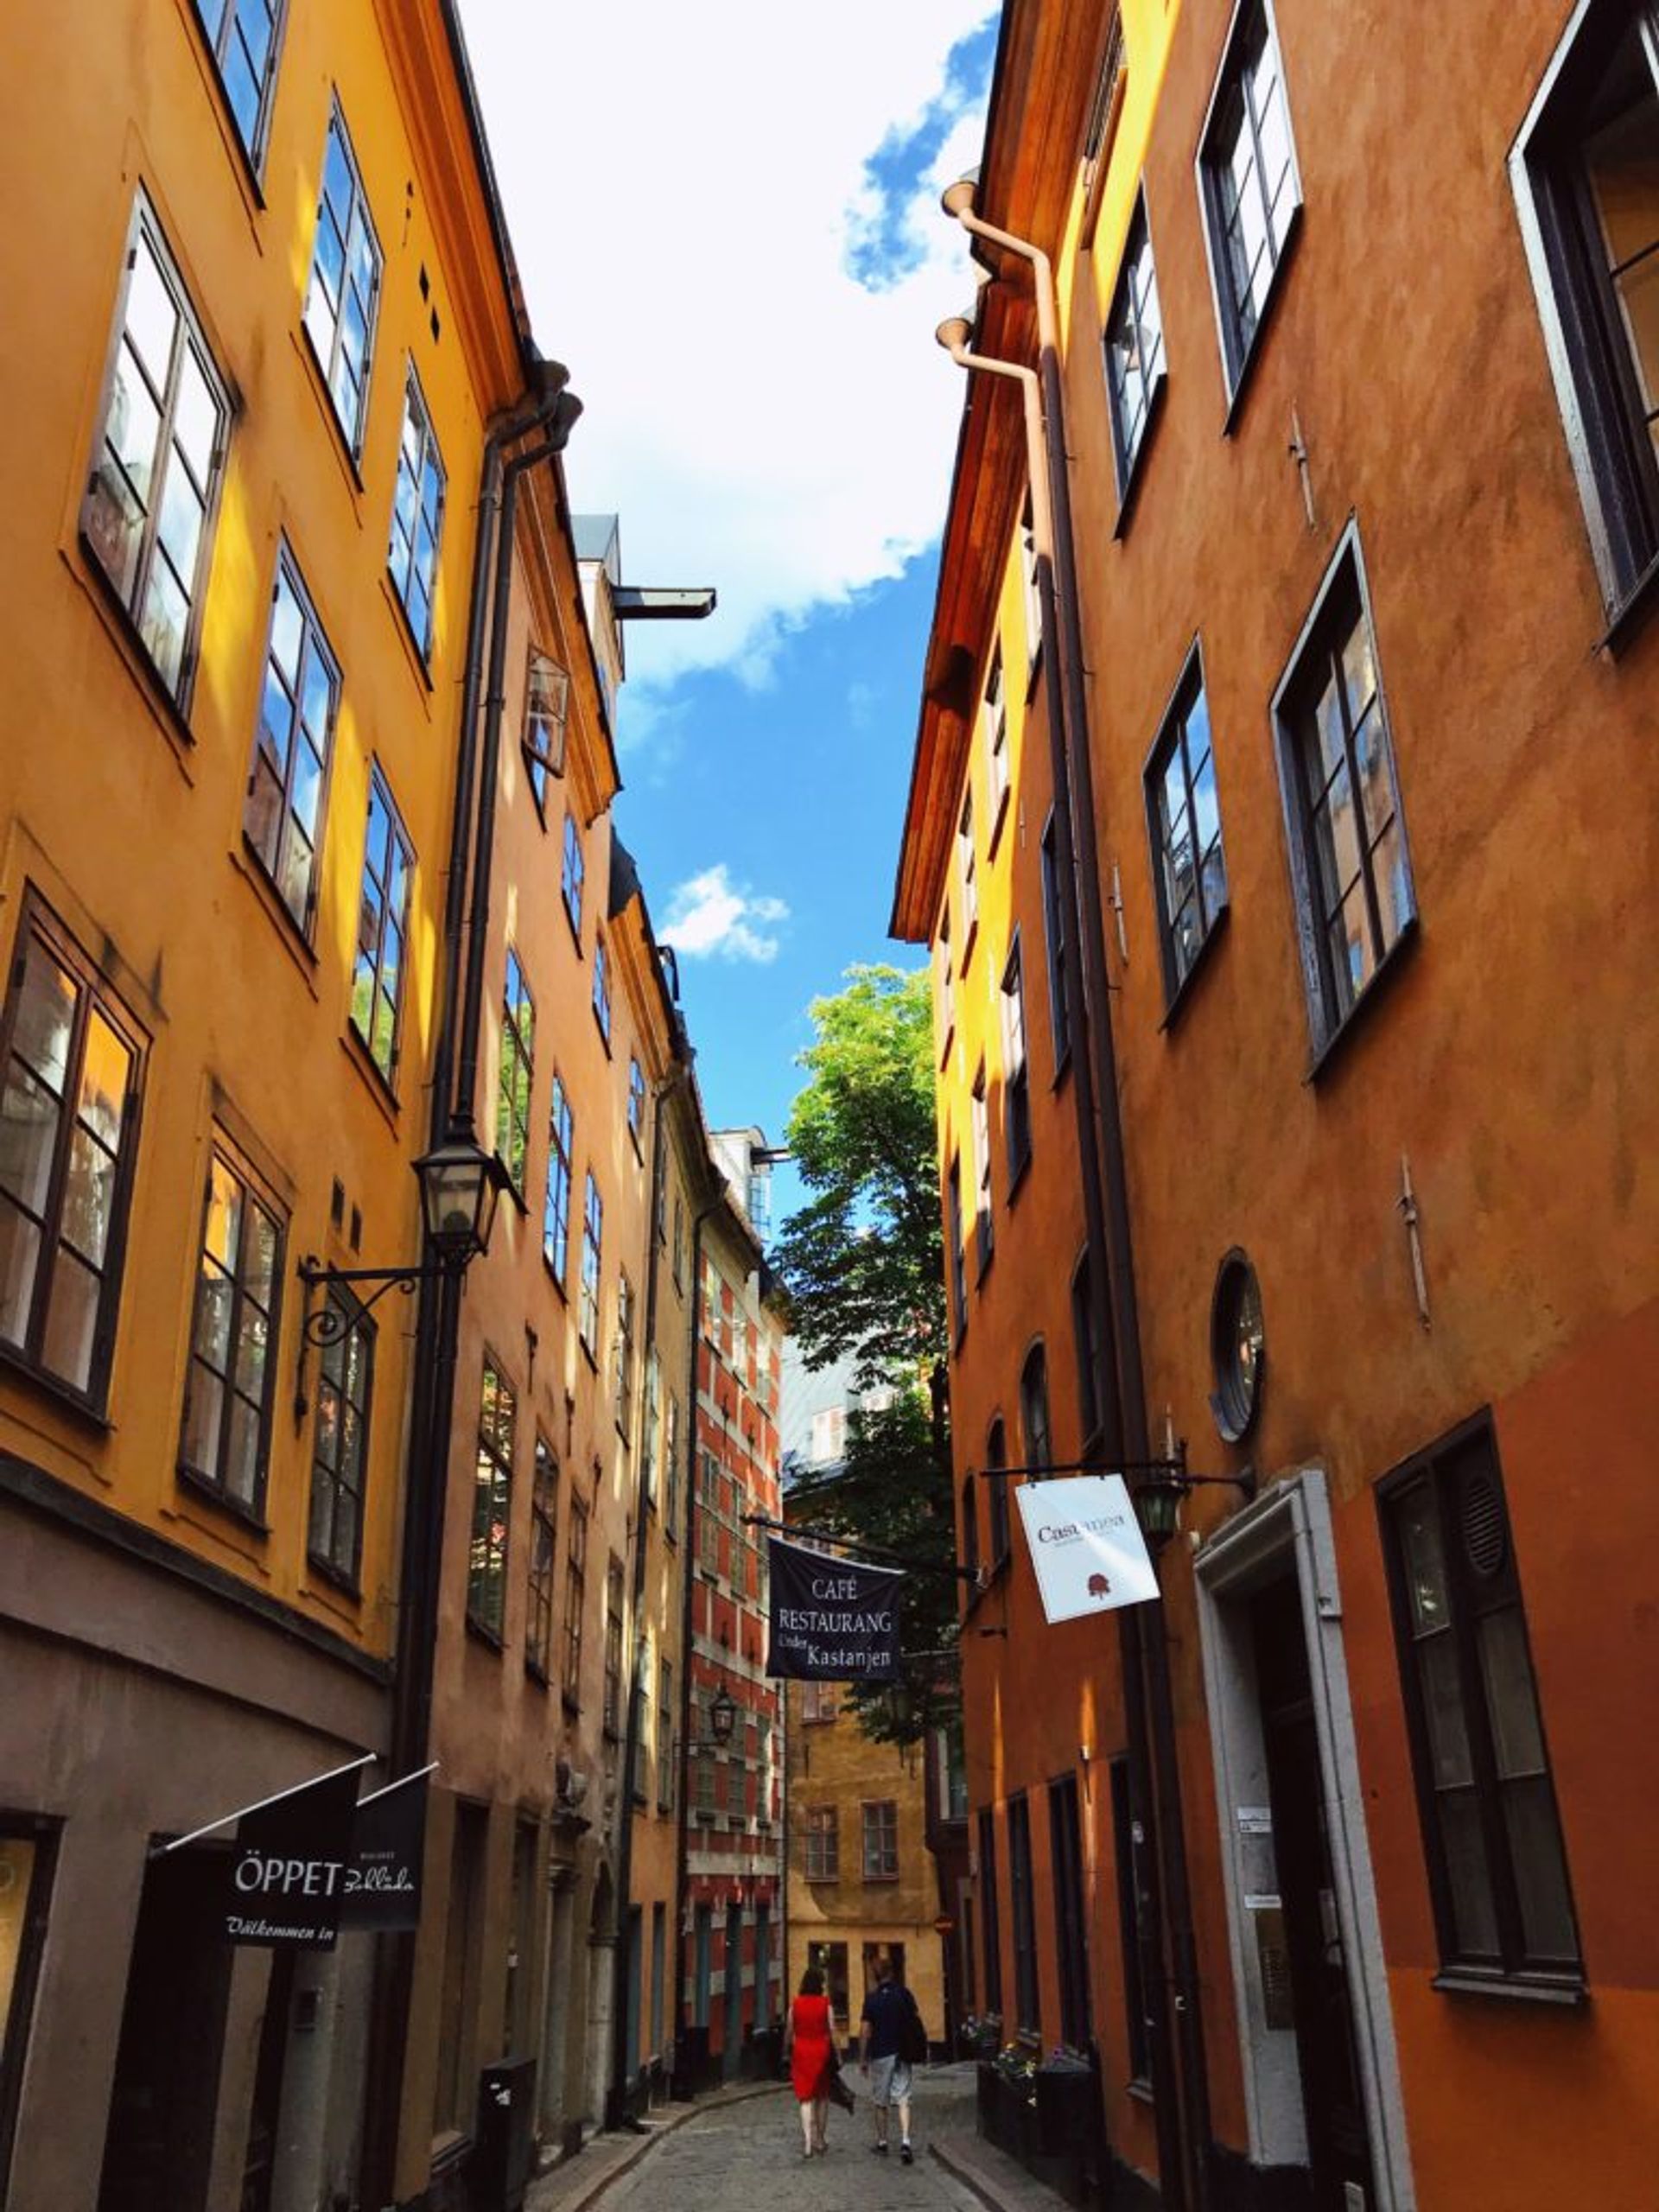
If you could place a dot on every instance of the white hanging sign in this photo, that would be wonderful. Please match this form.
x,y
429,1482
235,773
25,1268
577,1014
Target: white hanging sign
x,y
1086,1546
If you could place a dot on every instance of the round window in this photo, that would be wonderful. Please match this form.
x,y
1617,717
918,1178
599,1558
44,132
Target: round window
x,y
1237,1346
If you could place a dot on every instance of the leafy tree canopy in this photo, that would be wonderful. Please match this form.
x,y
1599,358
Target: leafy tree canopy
x,y
863,1261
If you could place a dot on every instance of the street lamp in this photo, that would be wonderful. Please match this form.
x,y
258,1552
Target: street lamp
x,y
722,1715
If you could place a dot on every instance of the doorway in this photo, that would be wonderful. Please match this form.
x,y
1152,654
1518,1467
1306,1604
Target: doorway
x,y
732,2048
1321,2002
1320,2073
158,2146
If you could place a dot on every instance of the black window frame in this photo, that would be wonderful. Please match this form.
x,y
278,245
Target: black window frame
x,y
547,710
990,1912
1016,1065
602,992
330,356
573,869
1070,1915
593,1261
556,1208
637,1109
376,917
1462,1476
610,1705
999,1514
575,1599
1133,1912
1054,945
954,1239
346,1379
516,1075
541,1563
1131,440
254,144
213,1482
1612,453
1023,1913
1343,601
999,768
489,1549
1211,902
130,592
41,1832
277,775
1036,1413
968,1548
984,1199
38,923
878,1826
1239,346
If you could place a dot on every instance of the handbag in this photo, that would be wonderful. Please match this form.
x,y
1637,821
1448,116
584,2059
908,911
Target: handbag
x,y
833,2088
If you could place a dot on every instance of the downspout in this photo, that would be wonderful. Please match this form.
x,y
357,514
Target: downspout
x,y
1143,1643
438,1320
616,2111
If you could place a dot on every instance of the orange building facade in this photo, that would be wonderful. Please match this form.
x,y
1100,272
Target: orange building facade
x,y
1255,797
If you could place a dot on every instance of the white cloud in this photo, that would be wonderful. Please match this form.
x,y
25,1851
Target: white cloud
x,y
687,194
708,917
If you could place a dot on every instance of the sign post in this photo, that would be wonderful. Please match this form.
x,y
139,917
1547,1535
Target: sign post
x,y
1086,1546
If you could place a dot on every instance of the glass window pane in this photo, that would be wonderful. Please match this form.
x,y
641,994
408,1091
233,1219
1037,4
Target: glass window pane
x,y
20,1252
46,1014
242,1454
1539,1871
162,625
104,1070
295,877
1443,1714
203,1416
1392,889
88,1202
1474,1919
195,417
181,522
287,629
152,319
71,1320
28,1134
215,1297
1205,807
337,175
1512,1698
133,428
1419,1529
259,1261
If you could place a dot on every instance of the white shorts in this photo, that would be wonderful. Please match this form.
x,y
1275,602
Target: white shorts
x,y
889,2081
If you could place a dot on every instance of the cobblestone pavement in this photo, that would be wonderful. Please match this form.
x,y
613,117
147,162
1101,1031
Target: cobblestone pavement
x,y
742,2150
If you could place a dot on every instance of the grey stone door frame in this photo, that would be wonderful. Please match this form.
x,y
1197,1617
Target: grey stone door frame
x,y
1289,1524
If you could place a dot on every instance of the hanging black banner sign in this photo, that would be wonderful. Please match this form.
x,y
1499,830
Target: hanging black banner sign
x,y
287,1872
383,1881
833,1620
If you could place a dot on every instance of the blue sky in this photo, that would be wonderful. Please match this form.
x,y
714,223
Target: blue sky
x,y
728,224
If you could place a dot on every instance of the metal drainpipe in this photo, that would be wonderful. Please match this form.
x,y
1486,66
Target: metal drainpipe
x,y
437,1325
1143,1643
616,2097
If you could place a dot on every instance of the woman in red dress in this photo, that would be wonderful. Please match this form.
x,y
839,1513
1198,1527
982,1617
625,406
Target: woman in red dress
x,y
809,2039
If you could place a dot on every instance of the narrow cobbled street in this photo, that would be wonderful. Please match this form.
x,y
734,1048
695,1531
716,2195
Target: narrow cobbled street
x,y
744,2151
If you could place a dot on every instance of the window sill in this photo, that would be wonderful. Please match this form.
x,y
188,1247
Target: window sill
x,y
1129,496
1631,613
968,944
950,1039
1241,383
1062,1069
1000,816
535,1673
1018,1171
572,1705
554,1276
1033,669
420,660
588,1353
1176,1001
604,1035
244,1517
339,1584
1140,2088
1513,1988
172,714
1397,957
476,1629
61,1394
317,376
369,1068
251,869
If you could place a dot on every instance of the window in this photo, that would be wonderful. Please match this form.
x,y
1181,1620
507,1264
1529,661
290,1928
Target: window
x,y
1189,873
1016,1073
707,1538
571,874
967,865
984,1227
1237,1346
1348,846
344,292
953,1235
1491,1832
649,1445
990,1911
944,999
287,781
1135,349
822,1843
382,931
1031,577
636,1104
244,36
995,712
996,1490
881,1840
592,1231
28,1849
159,461
1586,189
624,1378
226,1440
603,992
576,1593
1071,1922
665,1736
819,1703
417,516
340,1448
486,1562
556,1213
1059,1020
547,700
543,1538
679,1244
1034,1408
969,1529
1027,2008
73,1064
671,1466
1088,1350
613,1709
1247,177
1134,1920
516,1074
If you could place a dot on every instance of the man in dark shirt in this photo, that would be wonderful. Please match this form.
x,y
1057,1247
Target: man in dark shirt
x,y
884,2032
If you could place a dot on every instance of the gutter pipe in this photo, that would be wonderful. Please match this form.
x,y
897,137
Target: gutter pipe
x,y
1143,1644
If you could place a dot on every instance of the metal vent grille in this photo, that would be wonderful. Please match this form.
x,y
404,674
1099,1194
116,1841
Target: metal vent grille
x,y
1481,1512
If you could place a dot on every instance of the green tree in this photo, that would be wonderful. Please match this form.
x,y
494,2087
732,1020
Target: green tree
x,y
863,1260
862,1265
